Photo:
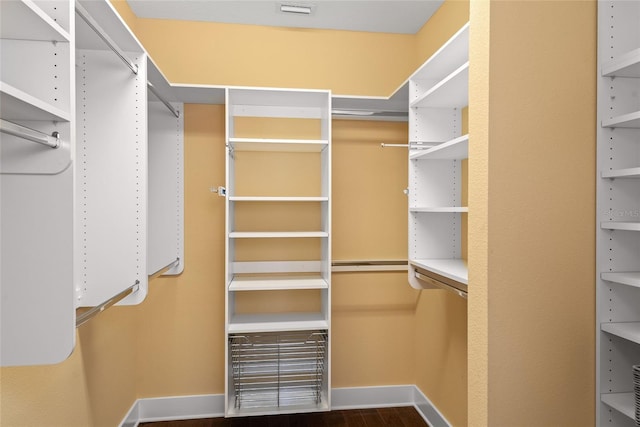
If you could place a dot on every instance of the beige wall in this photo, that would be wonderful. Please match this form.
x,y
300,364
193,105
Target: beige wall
x,y
531,213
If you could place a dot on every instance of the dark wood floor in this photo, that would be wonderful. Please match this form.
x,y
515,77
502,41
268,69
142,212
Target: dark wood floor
x,y
383,417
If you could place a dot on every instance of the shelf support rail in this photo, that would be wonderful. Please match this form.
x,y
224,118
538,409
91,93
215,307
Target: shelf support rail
x,y
164,101
163,270
94,311
82,13
369,265
52,141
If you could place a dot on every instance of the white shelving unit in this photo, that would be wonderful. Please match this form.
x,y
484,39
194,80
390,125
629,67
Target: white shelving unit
x,y
96,206
37,94
618,211
438,91
251,112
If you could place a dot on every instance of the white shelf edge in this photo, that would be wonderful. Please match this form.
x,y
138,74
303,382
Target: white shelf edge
x,y
257,144
274,283
622,173
627,330
443,85
275,322
279,141
277,199
630,120
41,109
621,402
625,65
454,269
453,209
631,278
619,225
454,149
276,234
53,28
437,55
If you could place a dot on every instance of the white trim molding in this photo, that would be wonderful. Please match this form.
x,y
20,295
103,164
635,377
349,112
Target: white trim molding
x,y
212,405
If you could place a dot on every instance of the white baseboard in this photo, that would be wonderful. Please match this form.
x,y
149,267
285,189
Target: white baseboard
x,y
212,405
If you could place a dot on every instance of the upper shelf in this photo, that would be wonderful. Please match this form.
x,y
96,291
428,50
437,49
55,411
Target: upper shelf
x,y
622,173
630,120
627,330
276,234
24,20
277,199
630,278
454,269
290,145
18,105
626,65
449,57
450,92
455,149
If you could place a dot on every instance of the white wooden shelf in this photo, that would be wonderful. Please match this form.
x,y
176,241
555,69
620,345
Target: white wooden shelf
x,y
25,20
275,283
631,278
626,65
621,402
276,234
276,199
245,323
282,410
452,91
454,269
627,330
448,57
290,145
455,149
622,173
630,120
453,209
625,226
18,105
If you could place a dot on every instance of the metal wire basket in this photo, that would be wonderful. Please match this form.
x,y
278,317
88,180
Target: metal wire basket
x,y
278,369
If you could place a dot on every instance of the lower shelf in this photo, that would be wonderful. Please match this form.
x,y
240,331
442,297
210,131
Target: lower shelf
x,y
454,269
278,372
621,402
247,323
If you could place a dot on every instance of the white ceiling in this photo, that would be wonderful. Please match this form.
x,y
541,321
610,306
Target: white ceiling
x,y
387,16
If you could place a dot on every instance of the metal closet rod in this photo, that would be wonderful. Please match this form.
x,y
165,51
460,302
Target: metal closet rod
x,y
82,13
94,311
29,134
164,101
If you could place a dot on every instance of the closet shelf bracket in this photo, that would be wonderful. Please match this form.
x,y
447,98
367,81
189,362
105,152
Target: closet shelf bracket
x,y
10,128
94,311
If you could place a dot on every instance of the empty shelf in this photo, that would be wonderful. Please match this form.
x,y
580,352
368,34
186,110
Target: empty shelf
x,y
454,269
268,283
18,105
621,402
631,120
451,92
627,330
289,145
450,55
275,234
626,65
276,199
455,149
631,278
245,323
26,21
454,209
622,173
626,226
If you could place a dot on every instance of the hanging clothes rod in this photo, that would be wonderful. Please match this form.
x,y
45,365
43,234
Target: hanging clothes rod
x,y
164,101
383,145
165,269
94,311
369,265
32,135
82,13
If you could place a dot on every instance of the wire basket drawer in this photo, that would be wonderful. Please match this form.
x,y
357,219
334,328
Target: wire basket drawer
x,y
273,370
